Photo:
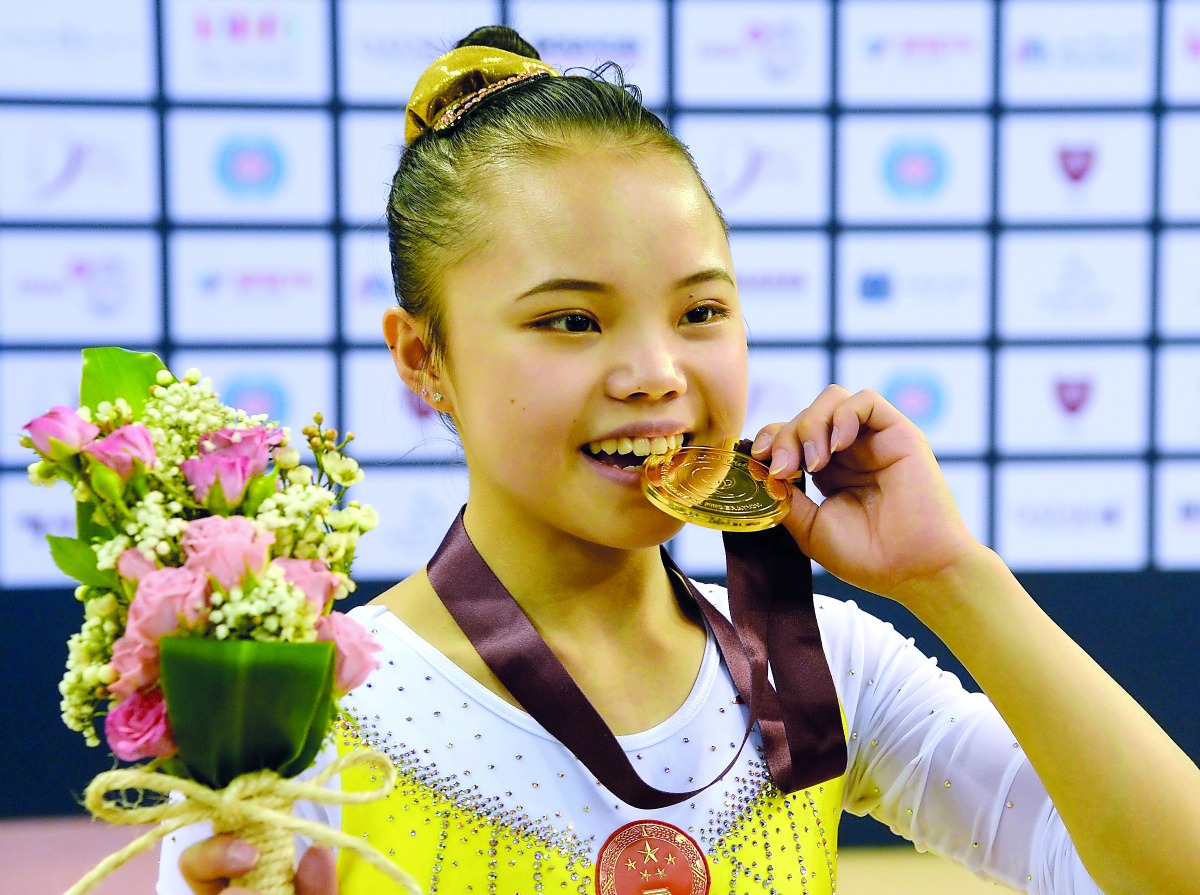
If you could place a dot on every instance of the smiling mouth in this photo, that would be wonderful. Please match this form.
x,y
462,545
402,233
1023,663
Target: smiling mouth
x,y
627,453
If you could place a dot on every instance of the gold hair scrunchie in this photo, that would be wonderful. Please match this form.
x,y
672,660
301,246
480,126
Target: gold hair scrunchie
x,y
457,80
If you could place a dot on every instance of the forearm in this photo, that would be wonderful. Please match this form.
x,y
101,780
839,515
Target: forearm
x,y
1129,797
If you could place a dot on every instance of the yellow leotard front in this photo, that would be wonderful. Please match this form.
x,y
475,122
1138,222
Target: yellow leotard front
x,y
488,803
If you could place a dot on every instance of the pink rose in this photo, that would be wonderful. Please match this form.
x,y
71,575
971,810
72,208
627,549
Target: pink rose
x,y
354,647
230,475
248,444
167,598
60,432
226,548
132,565
313,577
124,450
138,728
135,660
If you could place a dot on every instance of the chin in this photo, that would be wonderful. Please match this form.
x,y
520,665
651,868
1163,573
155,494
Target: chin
x,y
639,534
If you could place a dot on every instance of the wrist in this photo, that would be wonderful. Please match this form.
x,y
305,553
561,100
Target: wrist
x,y
975,579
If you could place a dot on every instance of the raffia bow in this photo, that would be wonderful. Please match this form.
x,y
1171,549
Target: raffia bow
x,y
256,807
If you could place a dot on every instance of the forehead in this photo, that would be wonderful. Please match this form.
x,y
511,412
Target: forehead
x,y
599,206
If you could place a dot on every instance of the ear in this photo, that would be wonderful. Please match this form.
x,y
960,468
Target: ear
x,y
411,353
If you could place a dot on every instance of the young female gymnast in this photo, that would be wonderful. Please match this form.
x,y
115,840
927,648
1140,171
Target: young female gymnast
x,y
568,300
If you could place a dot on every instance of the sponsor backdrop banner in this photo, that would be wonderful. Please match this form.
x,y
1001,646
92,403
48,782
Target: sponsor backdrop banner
x,y
988,211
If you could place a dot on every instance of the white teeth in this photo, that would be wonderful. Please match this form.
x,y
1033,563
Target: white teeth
x,y
639,447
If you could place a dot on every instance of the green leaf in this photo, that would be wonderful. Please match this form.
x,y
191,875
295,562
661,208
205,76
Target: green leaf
x,y
111,373
107,483
237,706
78,560
88,528
260,488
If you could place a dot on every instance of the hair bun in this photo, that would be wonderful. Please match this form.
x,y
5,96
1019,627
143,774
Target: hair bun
x,y
499,37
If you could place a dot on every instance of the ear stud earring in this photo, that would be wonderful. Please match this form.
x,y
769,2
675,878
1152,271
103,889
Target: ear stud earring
x,y
437,397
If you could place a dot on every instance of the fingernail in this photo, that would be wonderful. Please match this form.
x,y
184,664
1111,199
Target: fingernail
x,y
833,440
811,457
761,443
778,461
242,853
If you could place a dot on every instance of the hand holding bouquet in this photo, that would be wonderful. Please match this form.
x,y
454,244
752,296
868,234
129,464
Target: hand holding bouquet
x,y
208,560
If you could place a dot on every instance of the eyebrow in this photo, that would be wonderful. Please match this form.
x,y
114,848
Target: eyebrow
x,y
570,284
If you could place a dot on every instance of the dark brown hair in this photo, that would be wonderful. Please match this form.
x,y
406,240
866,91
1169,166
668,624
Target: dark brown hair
x,y
435,216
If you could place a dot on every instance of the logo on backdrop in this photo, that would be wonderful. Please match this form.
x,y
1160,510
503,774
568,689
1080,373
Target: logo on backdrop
x,y
914,169
55,162
627,49
257,394
38,525
921,47
242,28
250,166
250,284
1072,394
1191,44
918,396
1082,52
746,169
758,281
1077,289
1076,162
875,286
1074,516
101,284
778,46
374,289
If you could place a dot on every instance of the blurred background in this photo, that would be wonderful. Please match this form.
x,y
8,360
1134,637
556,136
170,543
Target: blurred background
x,y
988,211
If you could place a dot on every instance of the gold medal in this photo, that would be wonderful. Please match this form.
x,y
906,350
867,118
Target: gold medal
x,y
715,488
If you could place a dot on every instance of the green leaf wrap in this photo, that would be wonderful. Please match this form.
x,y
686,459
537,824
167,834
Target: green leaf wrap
x,y
111,373
237,706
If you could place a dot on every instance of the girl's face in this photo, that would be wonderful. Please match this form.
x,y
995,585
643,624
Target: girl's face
x,y
601,307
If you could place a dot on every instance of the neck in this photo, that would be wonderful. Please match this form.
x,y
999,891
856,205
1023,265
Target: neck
x,y
565,583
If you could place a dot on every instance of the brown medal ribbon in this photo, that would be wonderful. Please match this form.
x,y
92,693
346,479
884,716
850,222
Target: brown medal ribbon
x,y
770,598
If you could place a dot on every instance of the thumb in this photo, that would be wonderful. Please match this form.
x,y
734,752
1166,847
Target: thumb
x,y
800,519
317,872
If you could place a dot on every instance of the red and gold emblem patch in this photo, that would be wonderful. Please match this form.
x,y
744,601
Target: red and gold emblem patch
x,y
651,858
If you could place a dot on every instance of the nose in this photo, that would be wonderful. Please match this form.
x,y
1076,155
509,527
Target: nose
x,y
647,366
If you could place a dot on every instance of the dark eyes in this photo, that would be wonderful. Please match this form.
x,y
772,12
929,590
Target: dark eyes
x,y
705,313
571,323
576,322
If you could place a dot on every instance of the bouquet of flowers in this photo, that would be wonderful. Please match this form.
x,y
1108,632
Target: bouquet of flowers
x,y
209,558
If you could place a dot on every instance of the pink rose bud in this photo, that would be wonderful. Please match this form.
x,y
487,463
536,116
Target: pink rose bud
x,y
313,577
229,475
138,728
135,660
167,599
132,565
354,647
225,548
60,433
124,450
